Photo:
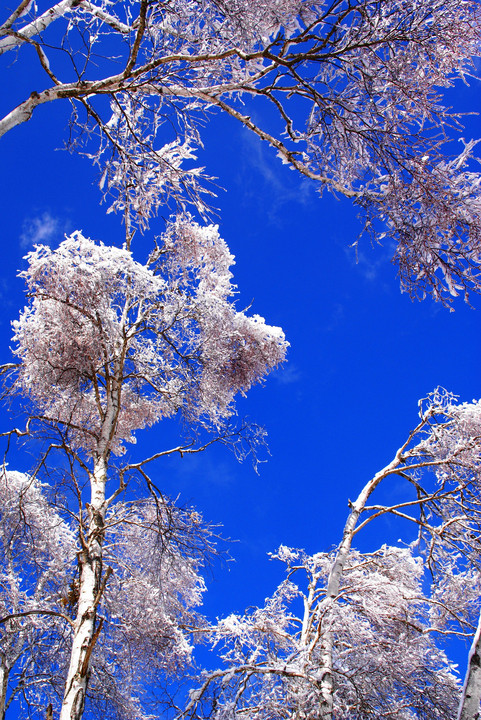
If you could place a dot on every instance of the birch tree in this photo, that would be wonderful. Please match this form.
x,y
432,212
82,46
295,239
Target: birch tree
x,y
36,560
106,347
356,88
153,552
360,634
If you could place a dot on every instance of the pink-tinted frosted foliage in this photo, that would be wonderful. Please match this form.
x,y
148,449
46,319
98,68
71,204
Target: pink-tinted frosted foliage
x,y
37,558
385,661
149,605
107,338
362,635
356,88
155,552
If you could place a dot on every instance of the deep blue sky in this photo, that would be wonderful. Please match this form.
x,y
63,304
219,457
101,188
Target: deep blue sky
x,y
361,353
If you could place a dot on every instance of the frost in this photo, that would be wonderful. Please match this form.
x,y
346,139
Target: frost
x,y
369,120
166,333
354,632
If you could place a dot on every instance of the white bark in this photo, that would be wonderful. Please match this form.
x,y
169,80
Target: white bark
x,y
22,112
471,695
4,670
100,13
35,27
333,585
86,628
85,625
335,575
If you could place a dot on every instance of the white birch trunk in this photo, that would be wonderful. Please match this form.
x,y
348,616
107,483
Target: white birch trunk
x,y
4,671
85,626
326,684
86,629
471,695
23,112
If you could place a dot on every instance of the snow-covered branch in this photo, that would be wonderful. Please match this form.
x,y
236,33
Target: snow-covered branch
x,y
356,88
108,346
352,634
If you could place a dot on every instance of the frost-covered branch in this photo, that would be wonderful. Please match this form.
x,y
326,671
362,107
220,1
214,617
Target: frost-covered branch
x,y
356,87
107,347
362,633
40,611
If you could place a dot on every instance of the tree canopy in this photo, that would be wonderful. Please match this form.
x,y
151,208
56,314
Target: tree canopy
x,y
100,579
354,88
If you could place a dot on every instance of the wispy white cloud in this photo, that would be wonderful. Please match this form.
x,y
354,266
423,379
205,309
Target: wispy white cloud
x,y
372,262
264,161
43,228
287,375
213,473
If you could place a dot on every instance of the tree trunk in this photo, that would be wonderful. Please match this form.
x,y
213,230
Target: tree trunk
x,y
85,627
471,695
334,581
4,671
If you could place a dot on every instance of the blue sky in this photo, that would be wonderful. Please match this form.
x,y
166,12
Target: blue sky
x,y
361,353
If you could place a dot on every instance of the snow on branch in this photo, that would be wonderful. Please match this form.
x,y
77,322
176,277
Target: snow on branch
x,y
105,339
37,557
357,88
361,634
